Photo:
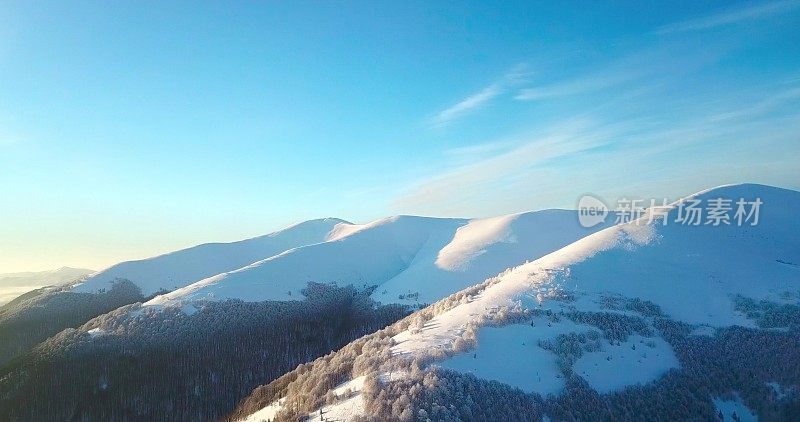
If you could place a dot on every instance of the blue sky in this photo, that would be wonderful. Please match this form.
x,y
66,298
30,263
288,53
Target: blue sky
x,y
129,129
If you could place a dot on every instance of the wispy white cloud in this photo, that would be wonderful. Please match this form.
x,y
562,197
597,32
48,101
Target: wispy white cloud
x,y
601,147
649,120
730,17
760,107
467,105
479,99
619,71
576,86
653,65
464,182
479,149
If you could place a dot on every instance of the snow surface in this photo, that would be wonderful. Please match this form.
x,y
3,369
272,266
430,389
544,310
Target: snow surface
x,y
266,414
651,358
728,407
346,408
470,241
691,272
350,404
511,354
412,260
96,332
177,269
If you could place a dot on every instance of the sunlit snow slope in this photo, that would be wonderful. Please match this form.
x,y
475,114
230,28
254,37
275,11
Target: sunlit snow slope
x,y
176,269
691,272
513,322
413,260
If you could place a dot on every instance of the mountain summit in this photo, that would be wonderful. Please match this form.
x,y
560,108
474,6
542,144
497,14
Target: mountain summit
x,y
654,302
176,269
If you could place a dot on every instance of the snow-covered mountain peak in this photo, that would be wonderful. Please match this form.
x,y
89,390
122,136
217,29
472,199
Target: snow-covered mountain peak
x,y
413,260
693,273
475,238
622,306
177,269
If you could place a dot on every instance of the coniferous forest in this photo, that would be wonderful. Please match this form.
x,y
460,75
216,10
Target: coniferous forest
x,y
175,365
33,317
740,362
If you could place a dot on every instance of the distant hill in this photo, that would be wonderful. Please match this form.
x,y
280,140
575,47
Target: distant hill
x,y
13,285
177,269
37,315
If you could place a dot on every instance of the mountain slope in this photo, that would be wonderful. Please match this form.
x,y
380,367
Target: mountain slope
x,y
168,365
38,315
640,316
220,349
688,271
15,284
410,259
176,269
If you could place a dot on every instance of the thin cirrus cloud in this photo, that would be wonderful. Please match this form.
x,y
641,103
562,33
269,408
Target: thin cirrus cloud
x,y
477,150
467,105
773,102
659,60
458,185
603,143
574,87
620,71
730,17
479,99
667,125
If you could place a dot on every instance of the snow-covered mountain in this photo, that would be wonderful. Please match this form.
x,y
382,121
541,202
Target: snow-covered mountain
x,y
652,319
693,273
177,269
653,303
34,317
412,260
234,345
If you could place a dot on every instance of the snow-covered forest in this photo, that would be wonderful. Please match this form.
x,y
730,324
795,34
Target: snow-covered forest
x,y
125,365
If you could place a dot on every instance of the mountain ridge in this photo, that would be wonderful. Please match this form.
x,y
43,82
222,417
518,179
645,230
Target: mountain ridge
x,y
404,256
711,280
174,269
